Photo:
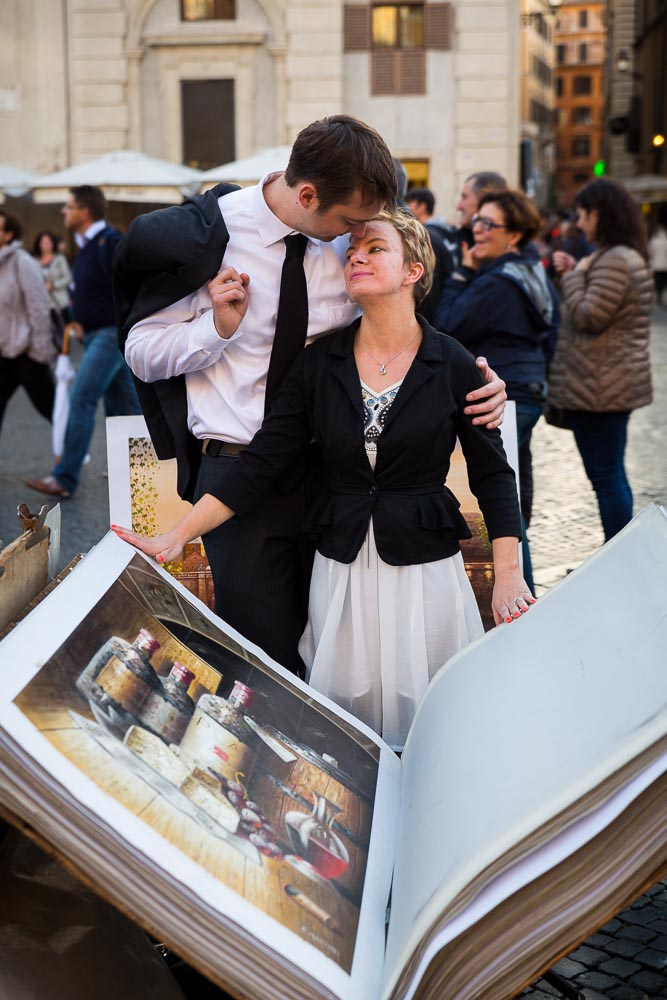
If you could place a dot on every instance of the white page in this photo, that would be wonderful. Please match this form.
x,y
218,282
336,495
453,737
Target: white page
x,y
30,645
527,720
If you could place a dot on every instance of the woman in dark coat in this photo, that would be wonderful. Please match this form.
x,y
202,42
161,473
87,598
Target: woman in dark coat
x,y
500,303
390,601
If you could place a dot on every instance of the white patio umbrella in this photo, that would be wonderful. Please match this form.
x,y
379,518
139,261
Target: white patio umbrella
x,y
123,176
14,181
248,170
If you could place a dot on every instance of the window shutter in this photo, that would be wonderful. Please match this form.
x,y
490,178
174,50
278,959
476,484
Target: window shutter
x,y
383,72
438,25
411,71
356,28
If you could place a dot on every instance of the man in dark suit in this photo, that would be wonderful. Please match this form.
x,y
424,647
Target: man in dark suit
x,y
204,379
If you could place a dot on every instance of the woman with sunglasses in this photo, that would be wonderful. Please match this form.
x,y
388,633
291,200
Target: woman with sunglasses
x,y
500,303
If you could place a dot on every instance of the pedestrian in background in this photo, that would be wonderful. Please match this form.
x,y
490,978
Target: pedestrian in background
x,y
55,272
601,371
103,372
26,345
500,304
421,202
474,188
657,246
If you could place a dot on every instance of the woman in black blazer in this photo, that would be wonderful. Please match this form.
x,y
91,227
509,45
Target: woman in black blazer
x,y
390,601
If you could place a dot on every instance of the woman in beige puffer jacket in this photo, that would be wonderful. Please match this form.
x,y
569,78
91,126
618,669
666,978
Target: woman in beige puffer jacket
x,y
601,370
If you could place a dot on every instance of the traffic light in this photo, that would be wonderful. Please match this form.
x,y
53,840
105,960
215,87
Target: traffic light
x,y
600,168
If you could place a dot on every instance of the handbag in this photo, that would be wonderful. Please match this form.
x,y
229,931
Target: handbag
x,y
557,416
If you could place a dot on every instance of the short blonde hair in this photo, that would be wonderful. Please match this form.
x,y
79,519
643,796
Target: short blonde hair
x,y
417,247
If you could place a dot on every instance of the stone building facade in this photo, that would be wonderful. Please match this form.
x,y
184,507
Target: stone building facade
x,y
538,100
207,81
580,57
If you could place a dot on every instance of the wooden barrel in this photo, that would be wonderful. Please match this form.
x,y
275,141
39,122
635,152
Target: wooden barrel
x,y
279,787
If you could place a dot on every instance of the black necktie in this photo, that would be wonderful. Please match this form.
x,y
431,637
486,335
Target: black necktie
x,y
292,318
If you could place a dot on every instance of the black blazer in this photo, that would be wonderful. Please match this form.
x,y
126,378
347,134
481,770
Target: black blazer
x,y
164,256
415,518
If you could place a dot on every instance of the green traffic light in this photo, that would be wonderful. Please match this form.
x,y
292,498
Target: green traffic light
x,y
600,168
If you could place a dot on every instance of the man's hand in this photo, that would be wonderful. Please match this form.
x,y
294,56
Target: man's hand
x,y
491,410
229,295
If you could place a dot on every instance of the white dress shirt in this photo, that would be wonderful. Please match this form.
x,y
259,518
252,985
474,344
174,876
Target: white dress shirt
x,y
81,239
226,379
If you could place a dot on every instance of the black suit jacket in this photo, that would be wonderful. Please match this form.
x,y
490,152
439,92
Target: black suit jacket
x,y
163,257
415,518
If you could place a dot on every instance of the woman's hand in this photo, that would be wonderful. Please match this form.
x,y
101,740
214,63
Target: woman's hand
x,y
468,258
163,548
563,262
584,263
229,295
511,596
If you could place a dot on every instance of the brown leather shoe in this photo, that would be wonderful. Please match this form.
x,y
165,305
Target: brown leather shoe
x,y
50,486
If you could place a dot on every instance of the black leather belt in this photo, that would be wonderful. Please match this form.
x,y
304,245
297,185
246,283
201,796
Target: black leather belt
x,y
213,447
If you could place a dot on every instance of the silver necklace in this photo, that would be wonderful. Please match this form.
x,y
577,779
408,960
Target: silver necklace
x,y
382,370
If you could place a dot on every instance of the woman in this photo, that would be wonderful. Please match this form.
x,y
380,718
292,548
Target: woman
x,y
55,272
500,303
601,371
390,600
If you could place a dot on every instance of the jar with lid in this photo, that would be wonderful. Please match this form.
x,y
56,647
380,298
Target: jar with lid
x,y
218,737
168,709
127,677
145,646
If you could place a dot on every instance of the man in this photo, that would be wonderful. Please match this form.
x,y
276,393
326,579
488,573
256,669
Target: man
x,y
471,193
339,175
103,372
26,344
421,202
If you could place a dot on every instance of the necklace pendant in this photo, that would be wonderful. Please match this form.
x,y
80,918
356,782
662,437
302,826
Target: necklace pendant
x,y
383,370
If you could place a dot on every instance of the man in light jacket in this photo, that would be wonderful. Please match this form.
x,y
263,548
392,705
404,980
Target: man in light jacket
x,y
26,344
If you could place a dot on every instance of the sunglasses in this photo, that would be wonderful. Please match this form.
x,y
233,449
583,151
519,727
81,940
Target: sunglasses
x,y
486,224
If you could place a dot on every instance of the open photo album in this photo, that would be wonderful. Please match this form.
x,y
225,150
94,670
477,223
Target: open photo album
x,y
277,845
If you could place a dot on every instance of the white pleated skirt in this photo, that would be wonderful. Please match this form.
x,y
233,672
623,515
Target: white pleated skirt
x,y
377,634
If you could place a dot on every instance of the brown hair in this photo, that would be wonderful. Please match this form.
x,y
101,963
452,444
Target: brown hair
x,y
340,155
417,247
12,225
519,213
92,198
620,221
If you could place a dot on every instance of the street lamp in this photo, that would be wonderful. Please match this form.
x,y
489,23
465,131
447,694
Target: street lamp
x,y
623,61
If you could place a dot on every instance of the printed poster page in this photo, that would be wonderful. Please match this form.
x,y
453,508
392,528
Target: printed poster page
x,y
527,721
239,782
143,496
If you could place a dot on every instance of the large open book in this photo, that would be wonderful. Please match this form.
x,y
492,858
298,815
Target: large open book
x,y
257,829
